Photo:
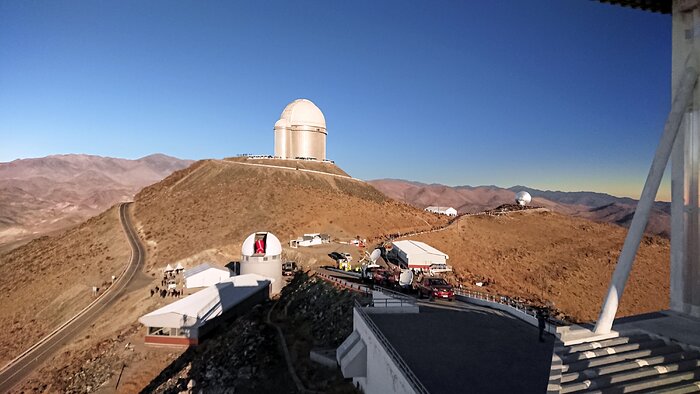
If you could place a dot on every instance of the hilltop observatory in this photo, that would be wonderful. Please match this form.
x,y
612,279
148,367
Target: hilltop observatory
x,y
261,254
301,132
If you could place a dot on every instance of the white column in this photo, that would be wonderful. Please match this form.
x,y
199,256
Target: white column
x,y
682,99
685,232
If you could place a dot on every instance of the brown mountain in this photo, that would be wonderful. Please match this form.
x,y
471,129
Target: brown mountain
x,y
44,195
598,207
205,211
217,203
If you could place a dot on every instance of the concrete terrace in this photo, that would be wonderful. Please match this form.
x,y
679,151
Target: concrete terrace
x,y
457,347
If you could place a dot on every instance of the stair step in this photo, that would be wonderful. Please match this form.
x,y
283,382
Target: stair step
x,y
606,343
651,384
606,351
628,365
616,358
678,388
630,376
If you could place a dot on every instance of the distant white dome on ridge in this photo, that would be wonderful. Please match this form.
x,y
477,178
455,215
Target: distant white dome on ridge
x,y
303,112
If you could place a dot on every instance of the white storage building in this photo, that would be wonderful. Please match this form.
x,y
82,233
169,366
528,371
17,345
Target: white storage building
x,y
449,211
421,256
310,240
205,275
185,321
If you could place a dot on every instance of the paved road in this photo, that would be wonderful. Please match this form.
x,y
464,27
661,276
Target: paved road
x,y
18,369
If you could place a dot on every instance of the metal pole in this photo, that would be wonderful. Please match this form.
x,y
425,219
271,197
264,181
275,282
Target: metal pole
x,y
680,104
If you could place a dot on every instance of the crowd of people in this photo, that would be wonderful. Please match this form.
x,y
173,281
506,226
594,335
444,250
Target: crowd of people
x,y
164,292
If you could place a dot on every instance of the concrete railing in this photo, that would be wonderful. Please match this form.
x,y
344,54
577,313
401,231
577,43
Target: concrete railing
x,y
344,284
506,304
403,368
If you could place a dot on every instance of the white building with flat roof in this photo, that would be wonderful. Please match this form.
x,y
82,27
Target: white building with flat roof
x,y
421,256
205,275
449,211
185,321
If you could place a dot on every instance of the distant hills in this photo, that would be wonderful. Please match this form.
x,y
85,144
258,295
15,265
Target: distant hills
x,y
48,194
599,207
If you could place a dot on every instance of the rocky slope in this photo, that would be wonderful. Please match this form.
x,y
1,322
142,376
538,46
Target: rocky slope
x,y
45,195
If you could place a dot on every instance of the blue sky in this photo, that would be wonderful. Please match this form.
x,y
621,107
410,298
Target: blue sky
x,y
555,94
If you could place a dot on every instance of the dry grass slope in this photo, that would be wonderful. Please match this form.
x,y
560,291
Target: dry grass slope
x,y
549,256
217,203
48,280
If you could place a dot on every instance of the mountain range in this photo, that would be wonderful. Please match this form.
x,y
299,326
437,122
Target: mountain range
x,y
44,195
598,207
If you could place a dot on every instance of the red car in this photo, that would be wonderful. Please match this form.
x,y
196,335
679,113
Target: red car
x,y
436,288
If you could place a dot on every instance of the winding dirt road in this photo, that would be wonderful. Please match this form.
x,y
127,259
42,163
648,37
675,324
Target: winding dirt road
x,y
19,368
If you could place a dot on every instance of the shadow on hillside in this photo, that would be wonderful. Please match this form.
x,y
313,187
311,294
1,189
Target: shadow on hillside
x,y
172,370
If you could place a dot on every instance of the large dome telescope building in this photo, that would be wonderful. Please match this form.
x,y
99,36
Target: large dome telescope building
x,y
301,132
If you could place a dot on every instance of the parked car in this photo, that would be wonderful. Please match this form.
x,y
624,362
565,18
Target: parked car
x,y
337,256
435,288
289,268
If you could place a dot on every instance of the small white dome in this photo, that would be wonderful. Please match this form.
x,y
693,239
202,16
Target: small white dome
x,y
272,245
303,112
282,124
523,198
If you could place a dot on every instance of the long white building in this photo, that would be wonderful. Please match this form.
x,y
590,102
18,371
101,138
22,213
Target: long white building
x,y
449,211
421,256
186,321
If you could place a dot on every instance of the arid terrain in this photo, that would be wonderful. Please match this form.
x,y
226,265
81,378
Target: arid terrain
x,y
49,194
215,204
547,256
599,207
203,213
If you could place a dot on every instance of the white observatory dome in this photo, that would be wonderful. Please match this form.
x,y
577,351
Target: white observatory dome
x,y
303,112
271,245
523,198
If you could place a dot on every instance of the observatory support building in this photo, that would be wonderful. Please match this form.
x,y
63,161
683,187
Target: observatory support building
x,y
301,132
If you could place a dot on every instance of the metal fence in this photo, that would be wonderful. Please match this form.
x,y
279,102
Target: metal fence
x,y
507,301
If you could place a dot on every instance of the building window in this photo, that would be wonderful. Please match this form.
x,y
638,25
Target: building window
x,y
264,258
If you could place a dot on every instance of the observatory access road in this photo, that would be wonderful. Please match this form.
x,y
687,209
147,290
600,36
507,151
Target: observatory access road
x,y
18,369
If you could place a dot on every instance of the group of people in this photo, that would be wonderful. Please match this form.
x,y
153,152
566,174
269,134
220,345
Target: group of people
x,y
163,292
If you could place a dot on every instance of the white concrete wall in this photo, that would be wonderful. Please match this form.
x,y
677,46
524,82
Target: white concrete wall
x,y
383,375
270,268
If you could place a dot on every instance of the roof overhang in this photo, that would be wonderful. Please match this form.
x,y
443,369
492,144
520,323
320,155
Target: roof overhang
x,y
660,6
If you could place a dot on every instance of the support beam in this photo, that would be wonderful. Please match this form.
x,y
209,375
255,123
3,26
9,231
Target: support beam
x,y
681,102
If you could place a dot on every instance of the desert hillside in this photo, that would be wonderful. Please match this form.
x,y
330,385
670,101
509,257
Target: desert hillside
x,y
215,204
44,195
599,207
208,208
50,279
545,256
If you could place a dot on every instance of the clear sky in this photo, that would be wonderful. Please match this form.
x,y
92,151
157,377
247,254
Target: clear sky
x,y
553,94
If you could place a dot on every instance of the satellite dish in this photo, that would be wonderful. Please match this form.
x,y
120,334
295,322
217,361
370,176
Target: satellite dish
x,y
375,255
406,278
523,198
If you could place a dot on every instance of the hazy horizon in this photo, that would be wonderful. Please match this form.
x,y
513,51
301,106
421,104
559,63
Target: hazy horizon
x,y
559,95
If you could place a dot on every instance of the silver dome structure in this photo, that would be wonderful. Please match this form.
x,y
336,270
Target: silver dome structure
x,y
523,198
301,132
